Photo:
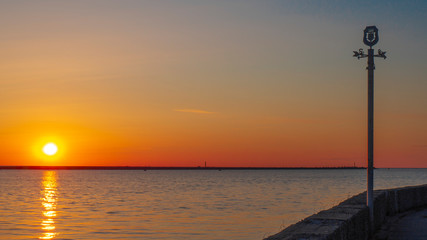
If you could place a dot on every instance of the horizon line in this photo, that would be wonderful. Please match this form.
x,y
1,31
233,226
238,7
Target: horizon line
x,y
176,168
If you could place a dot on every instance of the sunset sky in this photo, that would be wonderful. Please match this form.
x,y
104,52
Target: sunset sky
x,y
233,83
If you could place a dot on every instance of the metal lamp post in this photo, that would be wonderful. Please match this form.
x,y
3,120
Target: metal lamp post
x,y
370,38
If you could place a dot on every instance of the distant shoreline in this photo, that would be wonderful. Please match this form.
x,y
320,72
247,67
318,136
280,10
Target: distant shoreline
x,y
165,168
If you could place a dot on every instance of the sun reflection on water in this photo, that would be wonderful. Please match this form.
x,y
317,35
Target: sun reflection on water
x,y
49,200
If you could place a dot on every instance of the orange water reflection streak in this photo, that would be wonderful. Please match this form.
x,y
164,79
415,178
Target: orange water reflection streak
x,y
49,200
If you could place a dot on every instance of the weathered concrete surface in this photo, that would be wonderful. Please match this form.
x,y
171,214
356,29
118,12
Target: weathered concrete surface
x,y
350,219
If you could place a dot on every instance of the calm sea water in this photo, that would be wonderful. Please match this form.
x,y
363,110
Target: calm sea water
x,y
181,204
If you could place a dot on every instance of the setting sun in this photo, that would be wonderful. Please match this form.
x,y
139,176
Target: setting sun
x,y
50,149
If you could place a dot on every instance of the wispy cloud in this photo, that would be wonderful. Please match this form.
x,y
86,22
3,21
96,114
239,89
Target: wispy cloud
x,y
197,111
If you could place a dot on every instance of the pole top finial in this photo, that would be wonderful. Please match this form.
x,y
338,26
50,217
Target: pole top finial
x,y
370,36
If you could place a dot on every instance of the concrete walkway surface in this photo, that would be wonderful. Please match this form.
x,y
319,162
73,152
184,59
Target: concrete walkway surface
x,y
411,225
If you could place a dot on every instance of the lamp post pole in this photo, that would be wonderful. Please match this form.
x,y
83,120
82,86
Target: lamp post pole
x,y
370,38
370,173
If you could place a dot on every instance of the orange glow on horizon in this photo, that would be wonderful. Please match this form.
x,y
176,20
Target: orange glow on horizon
x,y
260,84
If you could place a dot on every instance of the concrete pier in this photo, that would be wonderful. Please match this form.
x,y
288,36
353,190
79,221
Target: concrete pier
x,y
350,219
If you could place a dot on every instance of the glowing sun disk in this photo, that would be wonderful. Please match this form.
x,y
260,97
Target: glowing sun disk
x,y
50,149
